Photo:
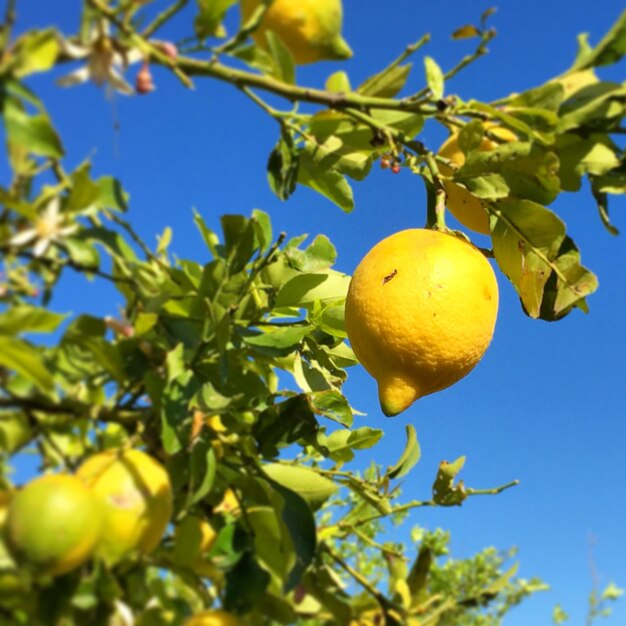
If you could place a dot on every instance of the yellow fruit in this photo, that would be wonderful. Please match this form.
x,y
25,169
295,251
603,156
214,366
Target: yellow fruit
x,y
420,313
193,538
136,495
214,617
468,209
310,29
53,524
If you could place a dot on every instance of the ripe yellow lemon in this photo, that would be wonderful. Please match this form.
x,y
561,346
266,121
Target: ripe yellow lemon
x,y
53,524
136,496
468,209
310,29
193,538
420,313
214,617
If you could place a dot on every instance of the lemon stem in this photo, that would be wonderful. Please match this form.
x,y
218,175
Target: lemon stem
x,y
440,193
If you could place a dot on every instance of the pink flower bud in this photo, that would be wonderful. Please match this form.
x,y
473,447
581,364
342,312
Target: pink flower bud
x,y
143,82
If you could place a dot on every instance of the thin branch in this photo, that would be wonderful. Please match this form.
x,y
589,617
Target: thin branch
x,y
163,17
246,30
77,267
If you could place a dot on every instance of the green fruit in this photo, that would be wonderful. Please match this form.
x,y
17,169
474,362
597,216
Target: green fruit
x,y
53,524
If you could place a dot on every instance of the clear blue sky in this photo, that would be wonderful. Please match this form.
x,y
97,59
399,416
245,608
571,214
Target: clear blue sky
x,y
547,403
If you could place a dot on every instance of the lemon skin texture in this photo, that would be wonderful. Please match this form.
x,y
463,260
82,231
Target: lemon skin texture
x,y
310,29
53,525
215,617
420,313
469,209
136,497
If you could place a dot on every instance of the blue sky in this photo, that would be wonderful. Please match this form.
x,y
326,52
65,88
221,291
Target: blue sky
x,y
547,403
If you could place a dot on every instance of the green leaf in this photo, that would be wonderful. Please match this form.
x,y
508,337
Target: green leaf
x,y
23,358
338,83
471,136
306,289
32,132
84,192
208,21
328,182
599,105
331,404
434,77
112,194
239,238
340,444
35,51
610,50
522,170
244,584
319,255
386,84
202,470
313,488
530,246
331,319
445,492
410,456
24,318
284,67
279,337
578,156
282,167
263,229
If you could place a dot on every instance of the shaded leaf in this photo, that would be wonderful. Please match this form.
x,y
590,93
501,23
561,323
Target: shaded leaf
x,y
284,67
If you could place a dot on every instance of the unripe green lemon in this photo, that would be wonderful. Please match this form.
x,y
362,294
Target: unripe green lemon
x,y
53,524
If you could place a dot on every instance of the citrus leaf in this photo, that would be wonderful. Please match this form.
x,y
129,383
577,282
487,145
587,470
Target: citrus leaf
x,y
434,77
386,84
611,48
313,488
445,492
530,245
284,67
282,167
202,469
306,289
331,404
210,15
33,132
523,170
24,318
328,182
410,456
338,83
36,51
23,358
466,32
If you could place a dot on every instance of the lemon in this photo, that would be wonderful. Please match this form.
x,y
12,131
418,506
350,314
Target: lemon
x,y
214,617
310,29
53,524
467,208
420,313
136,495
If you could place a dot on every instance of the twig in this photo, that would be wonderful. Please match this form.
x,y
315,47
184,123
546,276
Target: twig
x,y
163,17
491,492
